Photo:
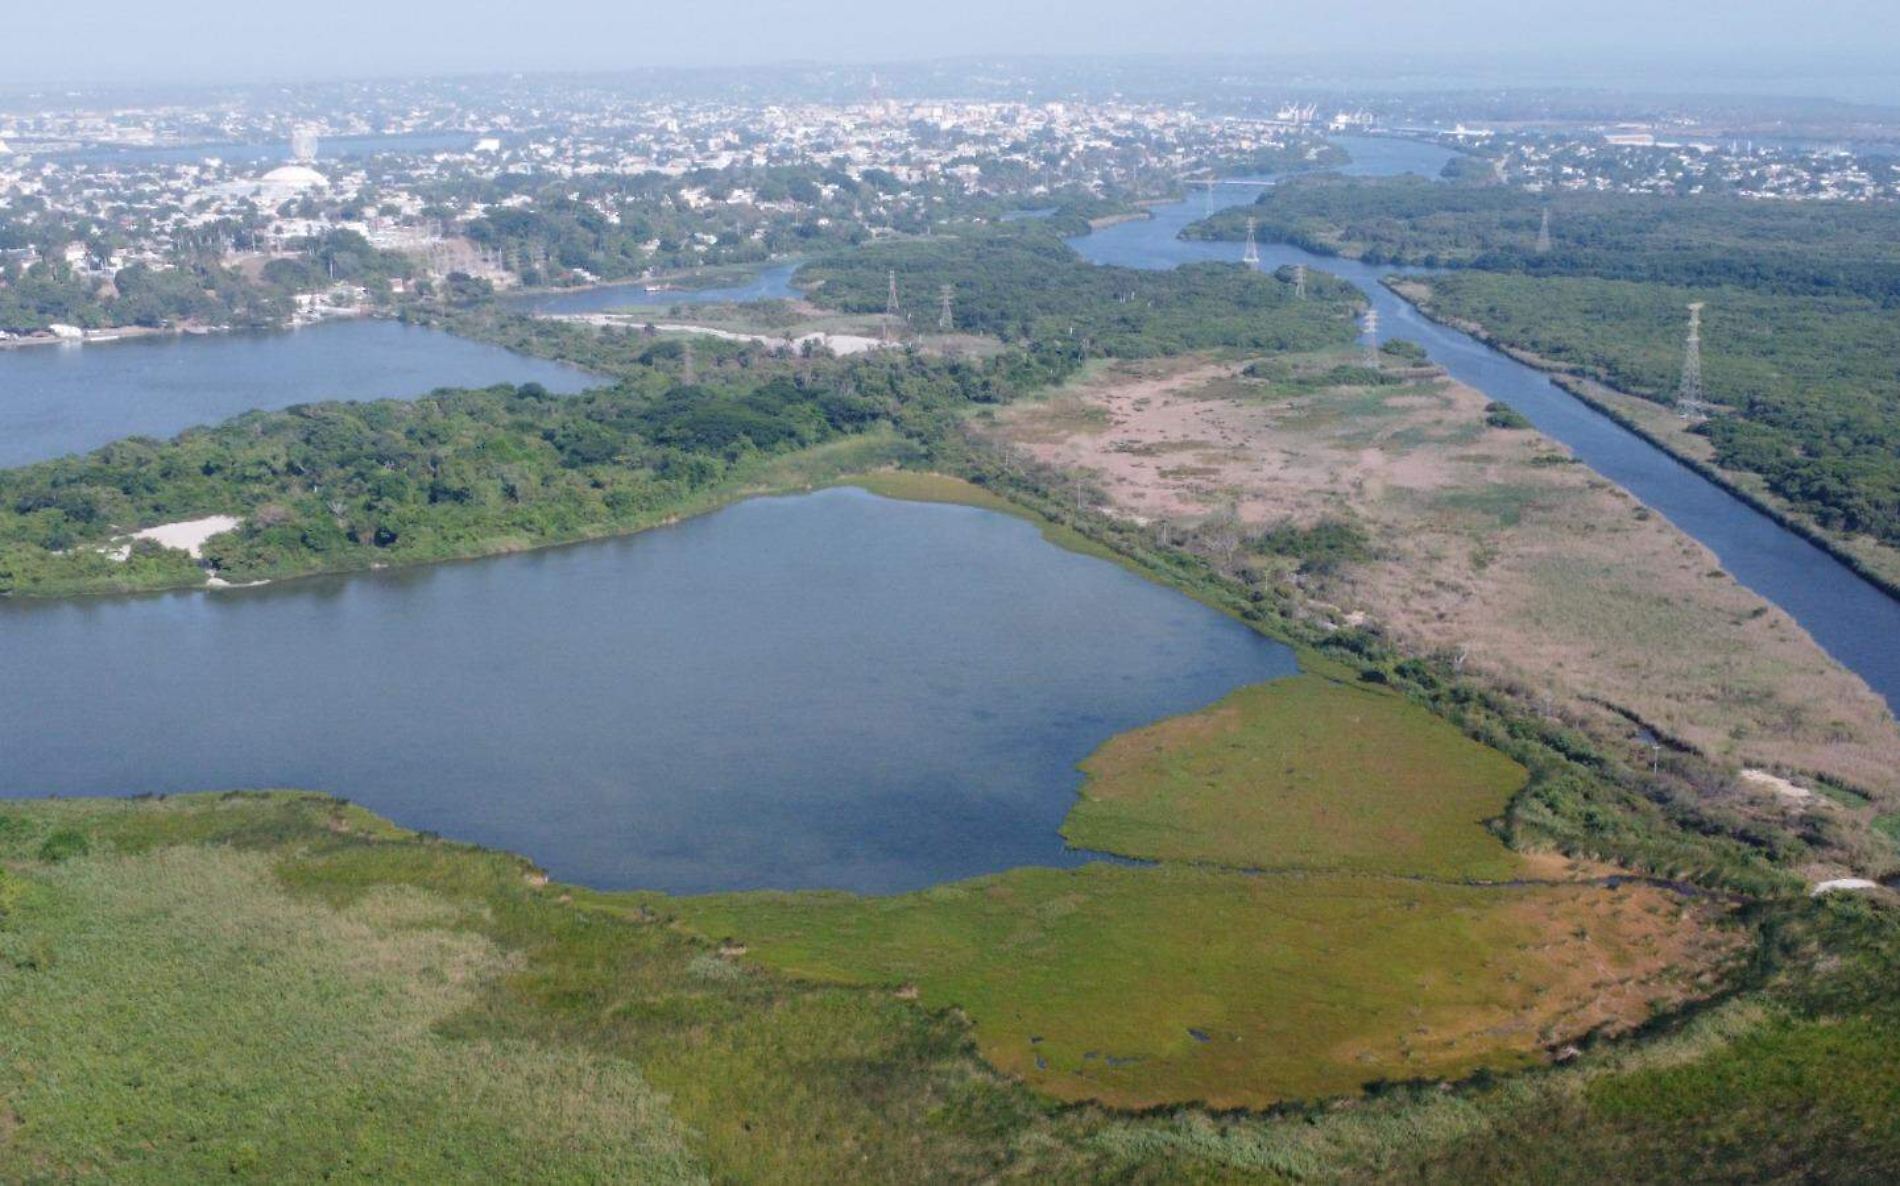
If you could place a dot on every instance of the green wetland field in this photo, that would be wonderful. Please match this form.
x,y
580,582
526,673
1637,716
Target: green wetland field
x,y
1380,921
275,987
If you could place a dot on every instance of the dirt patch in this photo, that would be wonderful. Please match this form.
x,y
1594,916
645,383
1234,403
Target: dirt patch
x,y
1777,785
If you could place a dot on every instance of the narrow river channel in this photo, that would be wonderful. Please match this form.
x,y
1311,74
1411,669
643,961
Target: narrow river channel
x,y
1853,620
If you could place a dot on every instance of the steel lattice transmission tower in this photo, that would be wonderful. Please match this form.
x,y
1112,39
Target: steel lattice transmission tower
x,y
1543,234
1251,255
689,370
1690,404
1371,332
1299,282
892,311
945,321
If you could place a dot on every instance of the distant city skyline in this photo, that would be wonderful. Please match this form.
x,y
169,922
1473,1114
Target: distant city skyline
x,y
1837,48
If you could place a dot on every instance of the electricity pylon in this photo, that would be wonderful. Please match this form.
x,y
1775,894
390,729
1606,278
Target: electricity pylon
x,y
1690,404
891,309
1251,255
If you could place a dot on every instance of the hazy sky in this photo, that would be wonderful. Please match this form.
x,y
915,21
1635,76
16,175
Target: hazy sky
x,y
219,40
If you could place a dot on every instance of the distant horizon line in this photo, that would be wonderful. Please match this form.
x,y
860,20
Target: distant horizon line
x,y
1634,78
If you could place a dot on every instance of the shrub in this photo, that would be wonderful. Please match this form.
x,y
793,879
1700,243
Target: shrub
x,y
1499,415
63,845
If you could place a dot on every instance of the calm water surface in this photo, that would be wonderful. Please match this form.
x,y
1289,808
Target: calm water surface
x,y
1855,622
770,283
832,690
66,399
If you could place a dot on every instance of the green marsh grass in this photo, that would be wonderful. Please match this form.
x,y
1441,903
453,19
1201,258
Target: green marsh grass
x,y
1302,773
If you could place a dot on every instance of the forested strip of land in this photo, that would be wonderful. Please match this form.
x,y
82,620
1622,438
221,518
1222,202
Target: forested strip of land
x,y
1810,248
339,486
1022,283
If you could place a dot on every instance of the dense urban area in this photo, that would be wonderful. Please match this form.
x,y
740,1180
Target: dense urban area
x,y
199,218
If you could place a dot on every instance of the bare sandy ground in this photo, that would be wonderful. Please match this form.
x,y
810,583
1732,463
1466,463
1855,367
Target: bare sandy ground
x,y
188,536
1491,543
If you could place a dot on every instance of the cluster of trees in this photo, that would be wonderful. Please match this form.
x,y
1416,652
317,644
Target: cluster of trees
x,y
340,486
1020,282
1810,384
554,238
338,257
1815,248
51,293
1282,159
195,289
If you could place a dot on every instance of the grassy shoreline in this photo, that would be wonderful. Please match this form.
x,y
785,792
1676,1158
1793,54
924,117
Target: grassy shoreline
x,y
1327,973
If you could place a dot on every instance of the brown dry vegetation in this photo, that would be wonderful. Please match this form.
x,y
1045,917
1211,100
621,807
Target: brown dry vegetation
x,y
1141,987
1488,541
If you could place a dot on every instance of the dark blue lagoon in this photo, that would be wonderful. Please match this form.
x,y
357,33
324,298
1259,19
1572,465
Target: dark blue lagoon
x,y
830,690
67,399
